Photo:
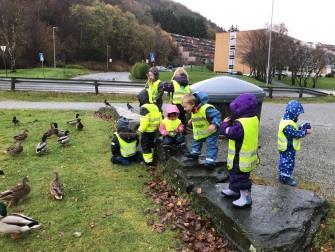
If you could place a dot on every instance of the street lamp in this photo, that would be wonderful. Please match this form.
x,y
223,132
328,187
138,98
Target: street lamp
x,y
269,52
3,49
107,57
54,44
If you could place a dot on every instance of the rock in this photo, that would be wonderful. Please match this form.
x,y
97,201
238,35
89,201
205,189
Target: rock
x,y
281,218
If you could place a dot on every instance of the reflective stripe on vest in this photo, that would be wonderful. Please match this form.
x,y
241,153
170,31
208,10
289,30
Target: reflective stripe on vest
x,y
248,158
154,117
171,125
200,123
153,90
282,140
126,149
178,92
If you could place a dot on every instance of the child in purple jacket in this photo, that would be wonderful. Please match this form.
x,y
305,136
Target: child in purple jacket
x,y
242,131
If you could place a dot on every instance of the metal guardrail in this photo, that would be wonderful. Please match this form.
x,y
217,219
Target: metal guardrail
x,y
14,81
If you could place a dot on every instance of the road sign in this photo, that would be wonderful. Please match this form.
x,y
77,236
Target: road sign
x,y
41,56
3,48
152,56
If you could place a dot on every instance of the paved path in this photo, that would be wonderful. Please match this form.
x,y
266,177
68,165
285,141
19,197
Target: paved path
x,y
109,76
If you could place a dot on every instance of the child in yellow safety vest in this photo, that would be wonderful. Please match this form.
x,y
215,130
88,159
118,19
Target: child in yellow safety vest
x,y
124,144
172,130
150,120
242,131
155,87
205,121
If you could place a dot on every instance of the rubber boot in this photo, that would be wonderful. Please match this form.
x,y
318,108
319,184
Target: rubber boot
x,y
229,193
244,200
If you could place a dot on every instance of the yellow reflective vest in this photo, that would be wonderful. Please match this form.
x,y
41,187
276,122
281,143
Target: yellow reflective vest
x,y
151,121
171,126
178,92
200,123
126,149
248,158
282,140
153,90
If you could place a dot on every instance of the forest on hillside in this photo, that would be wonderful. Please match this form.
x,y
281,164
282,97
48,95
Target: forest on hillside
x,y
84,30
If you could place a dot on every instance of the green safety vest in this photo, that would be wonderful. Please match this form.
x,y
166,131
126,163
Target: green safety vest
x,y
153,90
171,125
126,149
154,118
200,123
282,140
179,92
248,158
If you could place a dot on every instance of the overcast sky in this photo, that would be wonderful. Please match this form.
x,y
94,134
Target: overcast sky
x,y
307,20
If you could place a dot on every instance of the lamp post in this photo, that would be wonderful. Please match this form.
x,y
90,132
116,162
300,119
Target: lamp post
x,y
269,52
54,44
3,49
107,57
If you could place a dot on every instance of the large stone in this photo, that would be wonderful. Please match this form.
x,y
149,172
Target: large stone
x,y
281,218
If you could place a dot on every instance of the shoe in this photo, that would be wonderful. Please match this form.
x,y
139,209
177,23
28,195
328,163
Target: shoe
x,y
191,155
288,181
244,200
229,193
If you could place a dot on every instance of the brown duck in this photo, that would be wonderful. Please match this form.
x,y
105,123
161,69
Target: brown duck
x,y
15,149
51,131
79,124
22,136
56,187
16,194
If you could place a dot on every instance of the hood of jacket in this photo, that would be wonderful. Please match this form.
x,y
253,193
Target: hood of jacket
x,y
170,108
181,79
245,105
201,98
293,110
143,97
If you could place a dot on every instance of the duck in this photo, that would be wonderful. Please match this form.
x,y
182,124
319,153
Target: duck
x,y
17,193
73,121
42,146
15,121
22,136
107,103
15,224
56,187
15,149
64,139
51,131
79,125
58,132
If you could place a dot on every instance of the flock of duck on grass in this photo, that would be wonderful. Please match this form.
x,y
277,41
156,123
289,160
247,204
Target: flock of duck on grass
x,y
16,224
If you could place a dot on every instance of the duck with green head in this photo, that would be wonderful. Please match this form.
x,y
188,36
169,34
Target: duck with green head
x,y
15,224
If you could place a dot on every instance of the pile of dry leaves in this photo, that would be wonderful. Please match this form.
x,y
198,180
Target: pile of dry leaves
x,y
198,233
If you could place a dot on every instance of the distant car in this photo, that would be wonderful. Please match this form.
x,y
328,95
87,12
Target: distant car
x,y
163,69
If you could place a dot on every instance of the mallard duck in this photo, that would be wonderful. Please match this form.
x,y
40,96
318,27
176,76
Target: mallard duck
x,y
16,194
23,135
58,132
56,187
15,121
64,139
15,224
73,121
79,125
50,131
42,146
15,149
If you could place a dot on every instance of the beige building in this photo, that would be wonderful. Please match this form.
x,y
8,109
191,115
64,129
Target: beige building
x,y
226,57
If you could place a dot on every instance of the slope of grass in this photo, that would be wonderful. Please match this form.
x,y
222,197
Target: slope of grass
x,y
104,202
47,72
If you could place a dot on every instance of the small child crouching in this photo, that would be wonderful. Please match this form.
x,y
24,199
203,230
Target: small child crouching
x,y
172,130
242,131
124,144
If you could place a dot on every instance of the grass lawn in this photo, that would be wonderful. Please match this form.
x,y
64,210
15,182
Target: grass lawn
x,y
323,83
48,72
104,202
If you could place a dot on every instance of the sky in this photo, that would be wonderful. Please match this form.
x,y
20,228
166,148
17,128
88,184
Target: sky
x,y
306,20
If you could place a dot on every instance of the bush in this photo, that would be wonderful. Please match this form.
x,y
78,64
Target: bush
x,y
239,73
139,71
330,75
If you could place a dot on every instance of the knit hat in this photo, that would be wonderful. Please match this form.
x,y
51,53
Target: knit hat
x,y
122,122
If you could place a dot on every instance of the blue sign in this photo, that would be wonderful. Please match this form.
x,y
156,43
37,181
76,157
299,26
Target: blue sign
x,y
41,56
152,56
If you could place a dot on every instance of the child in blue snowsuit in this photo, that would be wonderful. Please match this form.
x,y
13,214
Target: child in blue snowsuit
x,y
205,120
289,141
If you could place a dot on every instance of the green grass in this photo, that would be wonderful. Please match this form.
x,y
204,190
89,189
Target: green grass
x,y
48,72
61,97
323,83
93,187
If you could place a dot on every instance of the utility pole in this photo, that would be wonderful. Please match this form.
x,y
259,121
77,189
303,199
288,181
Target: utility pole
x,y
107,57
269,52
54,44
